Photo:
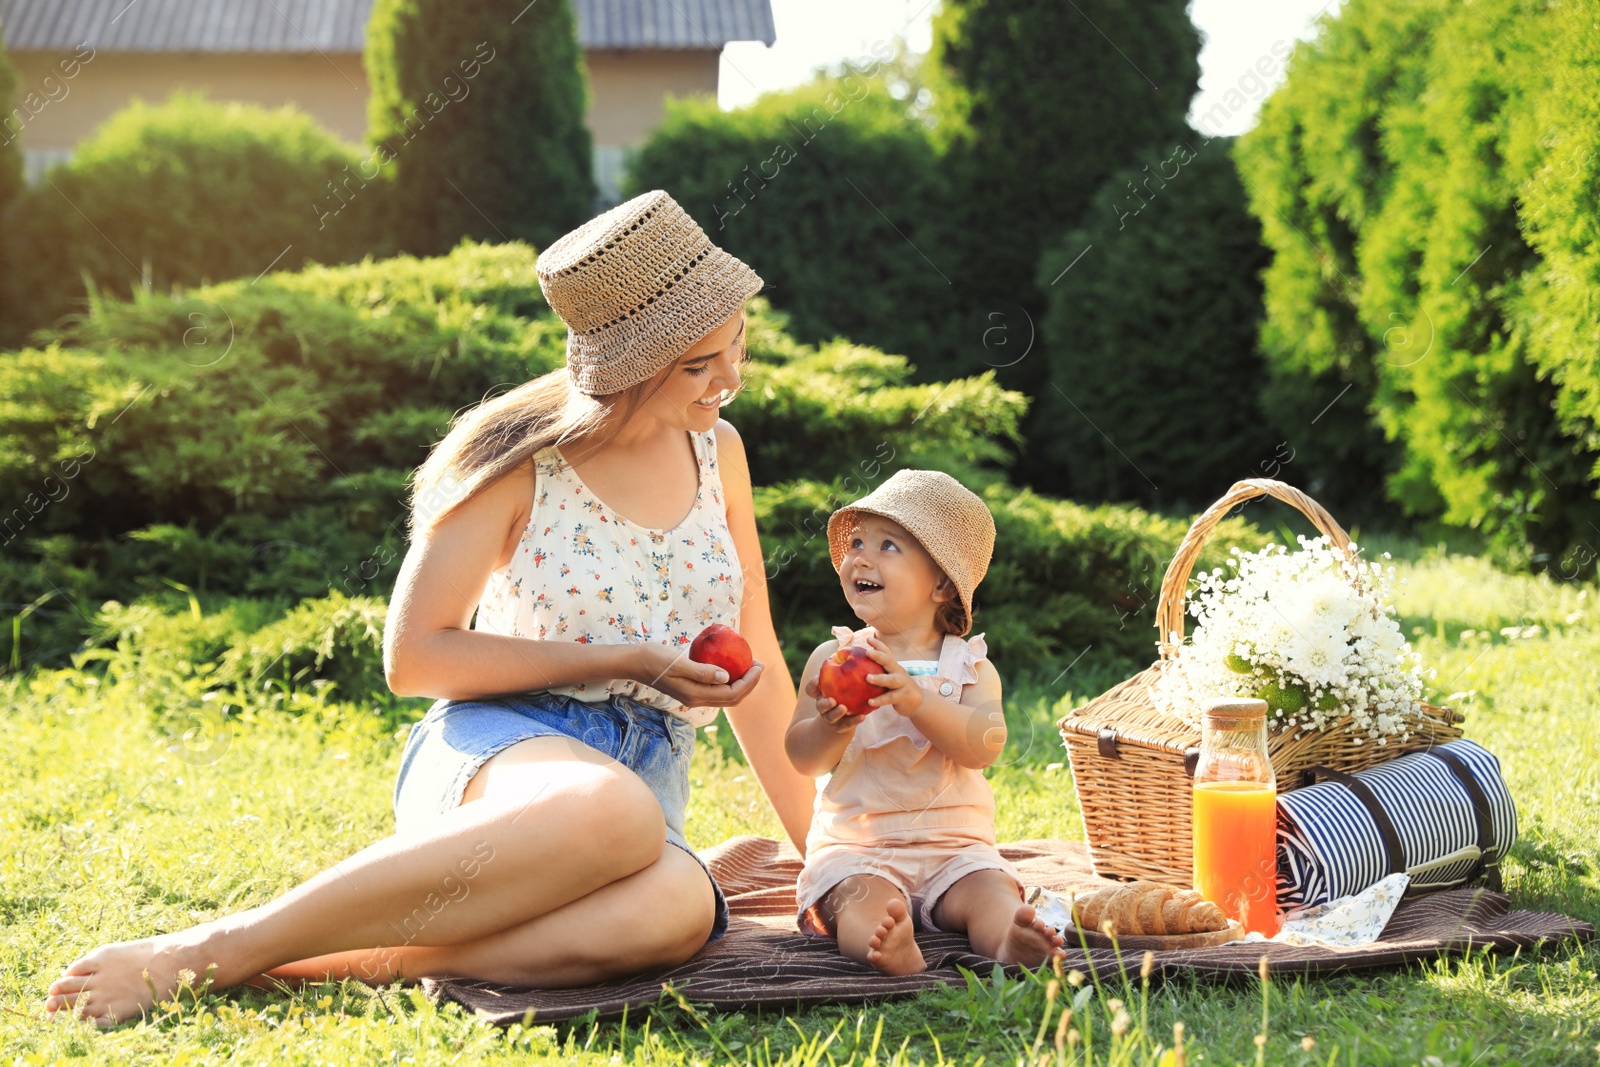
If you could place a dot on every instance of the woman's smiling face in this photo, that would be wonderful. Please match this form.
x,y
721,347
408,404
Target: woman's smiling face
x,y
691,392
888,577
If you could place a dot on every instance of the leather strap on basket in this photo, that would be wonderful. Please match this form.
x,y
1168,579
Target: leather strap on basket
x,y
1392,847
1169,606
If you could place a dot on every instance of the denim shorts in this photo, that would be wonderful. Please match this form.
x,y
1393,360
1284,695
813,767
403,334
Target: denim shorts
x,y
446,748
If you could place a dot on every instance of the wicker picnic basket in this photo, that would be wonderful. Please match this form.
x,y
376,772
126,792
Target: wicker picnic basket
x,y
1132,762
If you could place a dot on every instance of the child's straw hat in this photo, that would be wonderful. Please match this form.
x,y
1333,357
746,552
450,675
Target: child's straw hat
x,y
637,287
947,519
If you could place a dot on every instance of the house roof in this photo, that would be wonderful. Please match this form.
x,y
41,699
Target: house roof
x,y
340,25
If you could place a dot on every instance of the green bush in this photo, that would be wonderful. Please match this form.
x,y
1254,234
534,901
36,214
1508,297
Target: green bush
x,y
810,186
255,438
1385,174
336,640
1065,579
247,439
260,398
480,119
202,664
184,192
160,634
824,413
1167,297
1559,210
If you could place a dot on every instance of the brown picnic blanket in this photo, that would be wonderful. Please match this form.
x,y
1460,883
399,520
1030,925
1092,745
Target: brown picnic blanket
x,y
763,959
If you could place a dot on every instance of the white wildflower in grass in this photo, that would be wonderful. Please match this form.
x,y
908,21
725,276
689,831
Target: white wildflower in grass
x,y
1311,632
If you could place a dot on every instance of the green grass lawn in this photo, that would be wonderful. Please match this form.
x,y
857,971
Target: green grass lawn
x,y
109,833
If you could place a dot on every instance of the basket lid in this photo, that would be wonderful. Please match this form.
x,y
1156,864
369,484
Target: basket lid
x,y
1125,714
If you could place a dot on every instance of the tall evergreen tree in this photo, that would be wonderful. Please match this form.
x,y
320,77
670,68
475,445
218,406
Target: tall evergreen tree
x,y
1391,175
1037,104
10,129
11,183
1561,214
1151,340
479,113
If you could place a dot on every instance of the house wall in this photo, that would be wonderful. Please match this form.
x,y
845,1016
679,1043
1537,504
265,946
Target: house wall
x,y
627,97
627,91
332,88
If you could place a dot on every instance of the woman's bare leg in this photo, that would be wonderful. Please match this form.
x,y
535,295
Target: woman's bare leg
x,y
658,917
513,853
671,902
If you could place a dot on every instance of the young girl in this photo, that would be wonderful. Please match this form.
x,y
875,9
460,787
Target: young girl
x,y
903,833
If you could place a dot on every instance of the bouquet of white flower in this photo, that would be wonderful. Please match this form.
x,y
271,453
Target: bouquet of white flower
x,y
1311,632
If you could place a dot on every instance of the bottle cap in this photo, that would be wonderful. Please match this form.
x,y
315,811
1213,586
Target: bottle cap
x,y
1234,708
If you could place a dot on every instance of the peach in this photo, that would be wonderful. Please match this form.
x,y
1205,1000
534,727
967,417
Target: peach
x,y
843,677
721,646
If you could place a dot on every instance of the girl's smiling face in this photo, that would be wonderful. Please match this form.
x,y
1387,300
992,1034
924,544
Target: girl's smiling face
x,y
888,578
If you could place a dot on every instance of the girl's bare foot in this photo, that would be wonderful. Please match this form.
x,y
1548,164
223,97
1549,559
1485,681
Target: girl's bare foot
x,y
892,949
122,981
1029,940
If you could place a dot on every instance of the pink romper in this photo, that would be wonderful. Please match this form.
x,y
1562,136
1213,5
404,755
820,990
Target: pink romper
x,y
899,808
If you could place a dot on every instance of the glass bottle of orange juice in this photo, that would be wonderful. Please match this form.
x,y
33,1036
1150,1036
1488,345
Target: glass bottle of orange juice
x,y
1236,814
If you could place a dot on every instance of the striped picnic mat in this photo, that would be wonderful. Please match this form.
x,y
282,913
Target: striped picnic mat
x,y
1331,843
763,960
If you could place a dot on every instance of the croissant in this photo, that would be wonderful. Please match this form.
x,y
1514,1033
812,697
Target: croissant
x,y
1147,908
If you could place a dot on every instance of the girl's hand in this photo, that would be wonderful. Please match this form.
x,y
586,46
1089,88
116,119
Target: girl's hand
x,y
699,685
904,694
831,711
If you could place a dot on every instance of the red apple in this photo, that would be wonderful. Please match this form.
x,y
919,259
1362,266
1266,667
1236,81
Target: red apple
x,y
721,646
843,677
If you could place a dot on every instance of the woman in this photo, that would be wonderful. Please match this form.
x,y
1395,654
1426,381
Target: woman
x,y
594,519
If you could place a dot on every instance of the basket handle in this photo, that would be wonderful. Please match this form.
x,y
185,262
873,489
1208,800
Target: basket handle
x,y
1169,606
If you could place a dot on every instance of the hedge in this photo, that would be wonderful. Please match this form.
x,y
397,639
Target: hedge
x,y
1390,174
181,193
254,438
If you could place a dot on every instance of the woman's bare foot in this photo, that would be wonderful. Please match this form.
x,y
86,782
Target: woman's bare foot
x,y
1029,940
892,949
122,981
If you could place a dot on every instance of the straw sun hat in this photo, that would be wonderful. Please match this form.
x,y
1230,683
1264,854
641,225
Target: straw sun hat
x,y
637,287
947,519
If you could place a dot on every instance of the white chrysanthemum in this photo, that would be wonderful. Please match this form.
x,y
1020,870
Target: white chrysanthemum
x,y
1315,620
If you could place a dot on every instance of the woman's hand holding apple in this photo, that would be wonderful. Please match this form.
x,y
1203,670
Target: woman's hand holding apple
x,y
698,685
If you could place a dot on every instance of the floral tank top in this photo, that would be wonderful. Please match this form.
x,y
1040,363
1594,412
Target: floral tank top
x,y
583,573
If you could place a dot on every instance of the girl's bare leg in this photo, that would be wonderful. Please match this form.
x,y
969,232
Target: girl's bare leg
x,y
563,821
870,918
988,908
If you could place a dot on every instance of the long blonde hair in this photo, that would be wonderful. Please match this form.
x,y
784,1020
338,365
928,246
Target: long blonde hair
x,y
489,441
